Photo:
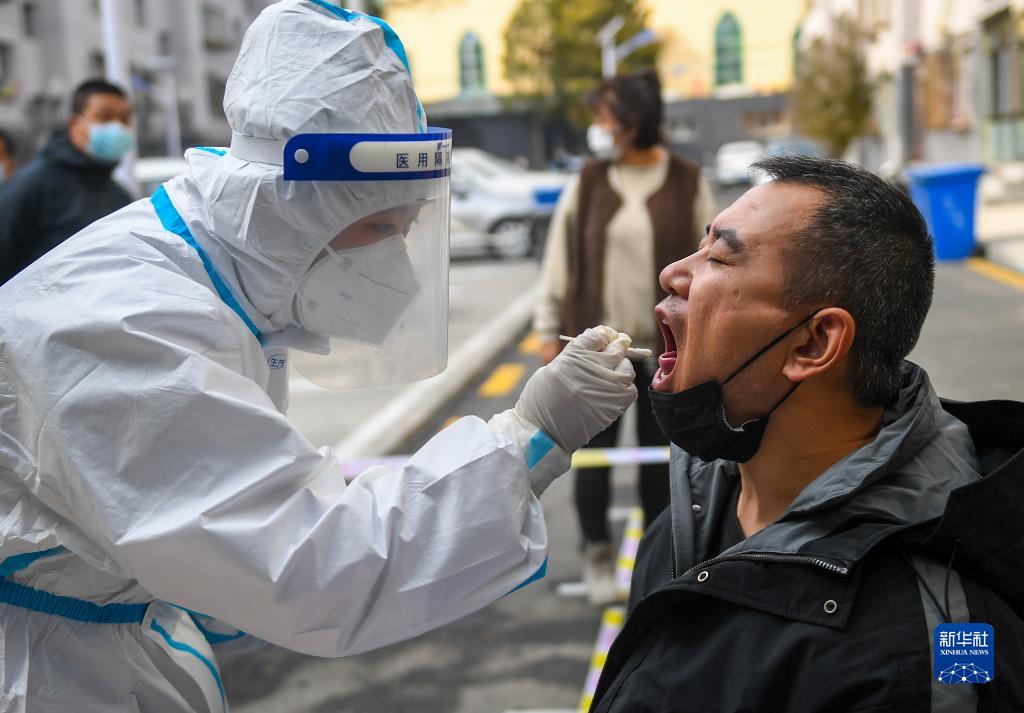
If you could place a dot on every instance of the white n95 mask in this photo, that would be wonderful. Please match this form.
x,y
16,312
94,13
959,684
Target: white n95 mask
x,y
601,143
358,293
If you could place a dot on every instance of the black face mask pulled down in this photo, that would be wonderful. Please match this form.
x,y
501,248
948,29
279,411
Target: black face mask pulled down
x,y
695,419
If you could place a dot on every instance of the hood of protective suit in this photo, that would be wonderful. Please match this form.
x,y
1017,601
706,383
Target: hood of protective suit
x,y
304,67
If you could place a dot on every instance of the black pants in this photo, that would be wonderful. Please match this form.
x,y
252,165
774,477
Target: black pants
x,y
593,485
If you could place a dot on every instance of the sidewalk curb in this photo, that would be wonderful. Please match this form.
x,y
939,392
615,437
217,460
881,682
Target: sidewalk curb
x,y
416,405
1007,253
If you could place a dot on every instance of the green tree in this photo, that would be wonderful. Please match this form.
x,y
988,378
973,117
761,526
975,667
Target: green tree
x,y
832,93
551,53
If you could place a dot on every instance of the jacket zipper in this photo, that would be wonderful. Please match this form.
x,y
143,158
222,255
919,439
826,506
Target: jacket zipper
x,y
672,552
800,559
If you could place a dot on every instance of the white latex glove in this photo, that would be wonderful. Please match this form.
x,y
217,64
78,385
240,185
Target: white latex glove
x,y
583,391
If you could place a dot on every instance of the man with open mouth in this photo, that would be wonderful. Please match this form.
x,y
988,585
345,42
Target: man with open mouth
x,y
830,514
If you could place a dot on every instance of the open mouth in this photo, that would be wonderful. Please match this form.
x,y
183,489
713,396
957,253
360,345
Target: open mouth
x,y
667,361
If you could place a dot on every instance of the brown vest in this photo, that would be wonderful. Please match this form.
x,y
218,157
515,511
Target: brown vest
x,y
671,209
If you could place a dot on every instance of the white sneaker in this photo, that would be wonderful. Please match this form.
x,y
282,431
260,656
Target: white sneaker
x,y
599,574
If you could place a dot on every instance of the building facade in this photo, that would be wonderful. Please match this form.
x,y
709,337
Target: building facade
x,y
729,49
736,50
949,78
709,47
186,47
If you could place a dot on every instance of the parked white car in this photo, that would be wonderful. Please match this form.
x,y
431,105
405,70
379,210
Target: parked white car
x,y
151,171
498,207
790,146
733,160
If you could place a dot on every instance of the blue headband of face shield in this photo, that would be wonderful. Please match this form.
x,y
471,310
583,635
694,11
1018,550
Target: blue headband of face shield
x,y
368,157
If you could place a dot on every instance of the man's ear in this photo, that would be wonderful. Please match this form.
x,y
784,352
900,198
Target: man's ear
x,y
821,344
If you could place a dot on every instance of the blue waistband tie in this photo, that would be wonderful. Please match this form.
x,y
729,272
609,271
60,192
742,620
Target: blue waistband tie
x,y
19,595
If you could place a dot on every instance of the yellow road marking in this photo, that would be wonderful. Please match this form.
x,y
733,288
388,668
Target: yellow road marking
x,y
614,616
503,380
530,345
611,623
996,272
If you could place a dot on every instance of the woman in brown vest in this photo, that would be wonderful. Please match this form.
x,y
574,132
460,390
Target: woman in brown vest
x,y
634,209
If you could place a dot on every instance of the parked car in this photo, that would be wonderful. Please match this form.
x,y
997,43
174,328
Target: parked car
x,y
151,171
791,146
733,160
795,146
498,208
501,207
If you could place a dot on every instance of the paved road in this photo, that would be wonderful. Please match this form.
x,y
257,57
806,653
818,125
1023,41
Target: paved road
x,y
532,649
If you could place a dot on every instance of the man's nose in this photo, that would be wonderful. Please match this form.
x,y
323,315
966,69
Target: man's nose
x,y
675,279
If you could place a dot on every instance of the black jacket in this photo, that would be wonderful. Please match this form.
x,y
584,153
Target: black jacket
x,y
59,193
828,609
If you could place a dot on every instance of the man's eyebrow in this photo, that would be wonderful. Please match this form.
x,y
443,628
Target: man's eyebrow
x,y
728,236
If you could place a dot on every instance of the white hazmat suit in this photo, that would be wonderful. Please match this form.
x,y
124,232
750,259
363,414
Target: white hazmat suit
x,y
147,472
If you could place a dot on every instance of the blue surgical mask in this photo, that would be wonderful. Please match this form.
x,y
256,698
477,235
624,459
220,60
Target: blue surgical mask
x,y
109,142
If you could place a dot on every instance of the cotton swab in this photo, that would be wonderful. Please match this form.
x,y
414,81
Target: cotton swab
x,y
632,353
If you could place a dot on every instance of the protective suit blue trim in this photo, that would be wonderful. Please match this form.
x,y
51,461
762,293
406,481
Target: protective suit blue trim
x,y
212,637
210,149
188,649
172,222
539,574
538,447
391,39
20,562
19,595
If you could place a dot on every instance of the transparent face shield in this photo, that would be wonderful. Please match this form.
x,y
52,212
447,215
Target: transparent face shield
x,y
377,294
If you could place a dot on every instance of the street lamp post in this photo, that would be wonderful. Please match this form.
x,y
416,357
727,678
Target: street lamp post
x,y
165,66
611,53
606,38
117,72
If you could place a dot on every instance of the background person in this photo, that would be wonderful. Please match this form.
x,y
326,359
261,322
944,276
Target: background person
x,y
147,470
810,553
69,184
634,208
7,156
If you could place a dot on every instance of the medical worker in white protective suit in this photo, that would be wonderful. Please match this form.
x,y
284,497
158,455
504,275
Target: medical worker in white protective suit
x,y
153,496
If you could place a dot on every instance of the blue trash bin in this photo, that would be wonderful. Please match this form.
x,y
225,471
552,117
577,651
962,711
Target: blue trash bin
x,y
946,194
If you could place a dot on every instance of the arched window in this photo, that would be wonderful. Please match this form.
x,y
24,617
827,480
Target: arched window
x,y
471,63
728,51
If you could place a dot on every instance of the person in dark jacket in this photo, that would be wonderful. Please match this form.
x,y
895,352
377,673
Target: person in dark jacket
x,y
810,557
7,152
68,186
